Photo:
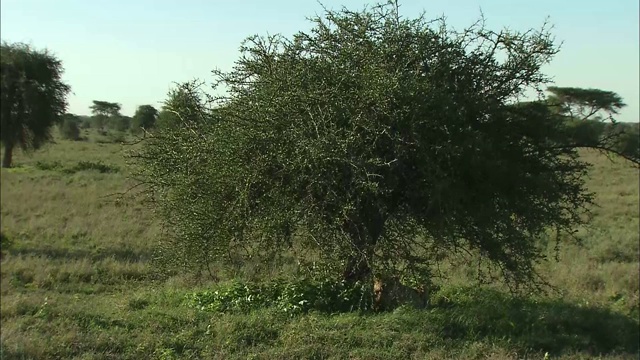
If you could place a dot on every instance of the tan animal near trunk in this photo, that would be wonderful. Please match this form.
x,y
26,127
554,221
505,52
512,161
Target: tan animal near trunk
x,y
389,293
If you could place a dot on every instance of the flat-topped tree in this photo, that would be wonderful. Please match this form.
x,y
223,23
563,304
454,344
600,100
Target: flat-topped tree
x,y
33,97
104,112
375,142
584,104
590,116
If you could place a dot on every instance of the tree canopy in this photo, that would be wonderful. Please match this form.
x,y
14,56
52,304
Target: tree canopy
x,y
374,144
144,118
106,108
583,104
186,103
33,97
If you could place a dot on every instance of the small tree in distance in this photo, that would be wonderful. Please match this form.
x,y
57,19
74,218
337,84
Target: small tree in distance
x,y
374,143
104,113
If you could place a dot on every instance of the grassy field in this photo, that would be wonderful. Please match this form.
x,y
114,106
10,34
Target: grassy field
x,y
77,283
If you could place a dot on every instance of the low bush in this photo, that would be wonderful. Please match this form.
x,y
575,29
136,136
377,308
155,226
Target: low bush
x,y
48,165
292,297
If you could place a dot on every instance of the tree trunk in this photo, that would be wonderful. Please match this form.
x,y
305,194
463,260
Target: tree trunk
x,y
8,156
357,269
364,235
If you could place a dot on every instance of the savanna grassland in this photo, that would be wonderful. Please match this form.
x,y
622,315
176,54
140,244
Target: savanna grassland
x,y
78,282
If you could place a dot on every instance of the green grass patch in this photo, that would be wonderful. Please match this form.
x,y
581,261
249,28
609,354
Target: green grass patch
x,y
80,166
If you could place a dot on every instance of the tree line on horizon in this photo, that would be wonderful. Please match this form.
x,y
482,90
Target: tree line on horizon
x,y
106,116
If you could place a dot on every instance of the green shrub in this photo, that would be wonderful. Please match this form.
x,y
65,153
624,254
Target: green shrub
x,y
291,297
48,165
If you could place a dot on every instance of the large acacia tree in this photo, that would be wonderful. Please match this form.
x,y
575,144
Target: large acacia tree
x,y
33,97
376,143
106,114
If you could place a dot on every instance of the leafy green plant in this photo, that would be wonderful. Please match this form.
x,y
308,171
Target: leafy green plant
x,y
291,297
48,165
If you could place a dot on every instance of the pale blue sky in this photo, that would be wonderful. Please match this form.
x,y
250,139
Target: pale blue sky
x,y
132,51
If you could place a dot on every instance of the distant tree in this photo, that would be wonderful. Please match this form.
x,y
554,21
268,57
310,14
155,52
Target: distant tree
x,y
104,112
375,144
33,97
70,127
583,104
186,103
145,117
589,115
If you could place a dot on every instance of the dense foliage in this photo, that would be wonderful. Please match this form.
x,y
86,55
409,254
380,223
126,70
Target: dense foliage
x,y
33,97
374,144
144,118
186,104
289,297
